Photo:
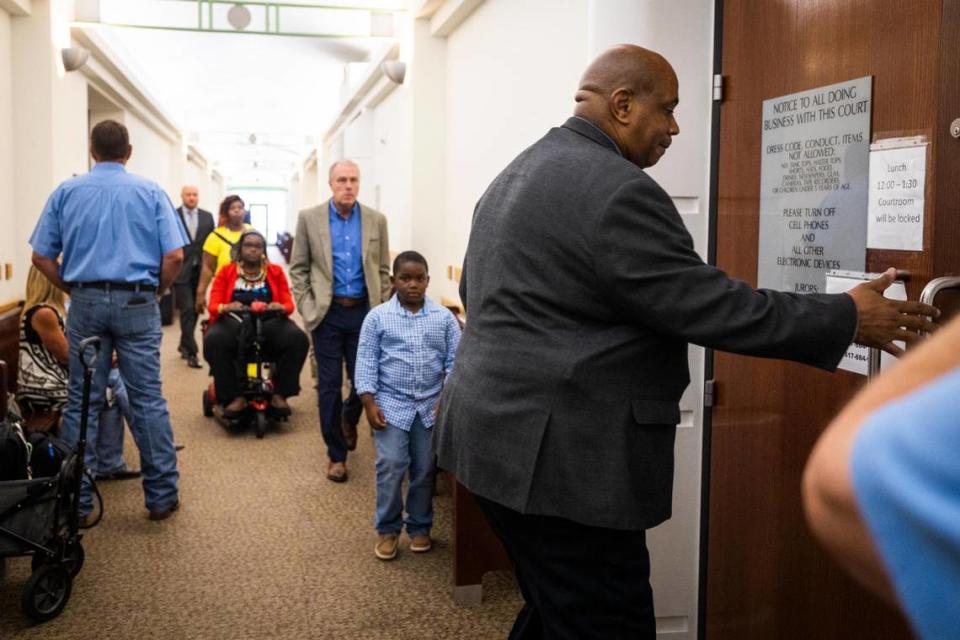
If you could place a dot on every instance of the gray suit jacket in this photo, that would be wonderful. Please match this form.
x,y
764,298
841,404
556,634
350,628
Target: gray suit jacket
x,y
192,252
311,261
582,290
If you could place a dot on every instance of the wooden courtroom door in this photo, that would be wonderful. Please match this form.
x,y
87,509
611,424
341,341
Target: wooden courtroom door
x,y
765,575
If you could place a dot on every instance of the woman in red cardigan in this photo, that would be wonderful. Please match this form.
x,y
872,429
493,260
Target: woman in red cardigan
x,y
251,280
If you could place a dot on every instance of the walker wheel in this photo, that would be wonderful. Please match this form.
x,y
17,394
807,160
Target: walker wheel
x,y
46,592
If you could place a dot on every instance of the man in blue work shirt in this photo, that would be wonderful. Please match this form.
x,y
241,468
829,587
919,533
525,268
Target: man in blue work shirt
x,y
121,245
339,270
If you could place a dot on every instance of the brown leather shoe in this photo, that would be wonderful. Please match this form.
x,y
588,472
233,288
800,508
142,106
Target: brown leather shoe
x,y
337,471
386,548
421,543
163,515
349,433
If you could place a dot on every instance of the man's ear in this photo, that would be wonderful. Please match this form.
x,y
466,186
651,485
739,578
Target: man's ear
x,y
621,103
393,280
129,153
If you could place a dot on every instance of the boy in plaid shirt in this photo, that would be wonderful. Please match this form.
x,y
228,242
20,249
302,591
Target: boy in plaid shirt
x,y
406,350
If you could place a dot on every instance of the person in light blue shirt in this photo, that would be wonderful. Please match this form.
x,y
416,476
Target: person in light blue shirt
x,y
406,350
121,247
882,487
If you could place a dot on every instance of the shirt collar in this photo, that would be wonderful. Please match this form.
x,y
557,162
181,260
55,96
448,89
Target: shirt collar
x,y
335,212
429,306
192,212
615,146
108,166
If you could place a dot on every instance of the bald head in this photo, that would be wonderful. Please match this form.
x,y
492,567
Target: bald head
x,y
628,89
190,196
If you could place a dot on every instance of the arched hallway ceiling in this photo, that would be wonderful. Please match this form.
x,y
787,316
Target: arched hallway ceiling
x,y
243,98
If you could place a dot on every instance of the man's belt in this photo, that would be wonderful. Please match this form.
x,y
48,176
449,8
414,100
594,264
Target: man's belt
x,y
105,285
348,302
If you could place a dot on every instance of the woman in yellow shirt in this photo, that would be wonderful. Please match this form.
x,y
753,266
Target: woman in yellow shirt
x,y
217,247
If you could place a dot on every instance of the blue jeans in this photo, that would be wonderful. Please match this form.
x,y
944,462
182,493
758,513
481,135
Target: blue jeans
x,y
335,342
131,328
109,443
397,452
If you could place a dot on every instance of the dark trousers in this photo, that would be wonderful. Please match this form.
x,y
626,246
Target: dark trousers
x,y
578,582
185,296
285,344
335,341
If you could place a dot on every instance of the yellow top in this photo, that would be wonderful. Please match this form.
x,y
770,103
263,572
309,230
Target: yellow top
x,y
217,247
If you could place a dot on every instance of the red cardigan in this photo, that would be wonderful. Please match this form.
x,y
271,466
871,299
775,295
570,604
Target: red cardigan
x,y
221,291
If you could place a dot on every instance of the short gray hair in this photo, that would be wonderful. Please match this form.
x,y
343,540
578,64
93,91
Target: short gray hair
x,y
342,162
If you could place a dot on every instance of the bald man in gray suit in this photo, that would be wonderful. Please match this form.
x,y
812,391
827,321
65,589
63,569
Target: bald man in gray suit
x,y
582,290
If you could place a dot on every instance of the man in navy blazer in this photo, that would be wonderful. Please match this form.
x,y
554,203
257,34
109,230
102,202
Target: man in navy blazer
x,y
582,290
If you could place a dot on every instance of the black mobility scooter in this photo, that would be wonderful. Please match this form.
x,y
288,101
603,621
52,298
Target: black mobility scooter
x,y
39,518
257,386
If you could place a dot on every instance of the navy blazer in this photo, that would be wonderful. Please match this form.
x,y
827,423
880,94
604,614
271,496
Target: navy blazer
x,y
582,290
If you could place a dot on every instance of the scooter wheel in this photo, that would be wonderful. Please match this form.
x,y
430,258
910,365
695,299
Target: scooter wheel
x,y
262,424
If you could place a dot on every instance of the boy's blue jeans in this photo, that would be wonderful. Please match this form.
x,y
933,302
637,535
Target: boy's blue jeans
x,y
399,451
110,437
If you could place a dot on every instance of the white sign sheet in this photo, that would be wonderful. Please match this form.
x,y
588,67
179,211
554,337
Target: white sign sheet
x,y
856,358
895,203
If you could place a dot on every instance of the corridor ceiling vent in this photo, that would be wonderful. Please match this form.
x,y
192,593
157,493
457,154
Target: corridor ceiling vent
x,y
239,17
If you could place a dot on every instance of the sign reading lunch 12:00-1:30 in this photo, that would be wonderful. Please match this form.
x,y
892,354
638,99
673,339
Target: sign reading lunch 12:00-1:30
x,y
813,185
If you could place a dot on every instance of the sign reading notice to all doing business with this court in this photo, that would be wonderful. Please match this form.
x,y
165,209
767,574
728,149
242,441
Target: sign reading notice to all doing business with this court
x,y
813,185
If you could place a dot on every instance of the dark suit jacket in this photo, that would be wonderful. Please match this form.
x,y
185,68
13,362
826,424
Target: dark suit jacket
x,y
582,290
192,253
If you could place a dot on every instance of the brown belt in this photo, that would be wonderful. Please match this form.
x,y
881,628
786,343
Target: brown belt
x,y
348,302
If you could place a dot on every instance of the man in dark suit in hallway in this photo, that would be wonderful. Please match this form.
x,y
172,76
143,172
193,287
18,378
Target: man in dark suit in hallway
x,y
582,290
199,224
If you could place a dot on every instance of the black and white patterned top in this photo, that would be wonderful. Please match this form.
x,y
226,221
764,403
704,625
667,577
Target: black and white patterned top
x,y
41,379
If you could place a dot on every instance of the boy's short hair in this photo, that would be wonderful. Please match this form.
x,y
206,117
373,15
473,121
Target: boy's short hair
x,y
409,256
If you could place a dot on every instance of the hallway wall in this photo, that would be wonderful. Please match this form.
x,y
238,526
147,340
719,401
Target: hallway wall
x,y
7,240
45,115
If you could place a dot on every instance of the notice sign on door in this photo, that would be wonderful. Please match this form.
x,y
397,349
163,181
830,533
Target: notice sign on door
x,y
895,204
813,185
857,357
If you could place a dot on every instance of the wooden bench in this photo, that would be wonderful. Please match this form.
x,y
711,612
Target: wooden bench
x,y
10,341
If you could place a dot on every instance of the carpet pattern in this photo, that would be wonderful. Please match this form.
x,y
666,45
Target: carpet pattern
x,y
263,546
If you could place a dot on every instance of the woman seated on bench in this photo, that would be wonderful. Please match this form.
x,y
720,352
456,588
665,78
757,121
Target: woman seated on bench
x,y
42,370
248,279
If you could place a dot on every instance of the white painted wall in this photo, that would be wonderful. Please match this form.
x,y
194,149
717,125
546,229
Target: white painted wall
x,y
390,188
154,157
8,242
512,70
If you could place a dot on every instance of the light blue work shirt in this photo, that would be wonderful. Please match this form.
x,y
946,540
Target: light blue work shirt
x,y
906,477
345,242
110,226
403,359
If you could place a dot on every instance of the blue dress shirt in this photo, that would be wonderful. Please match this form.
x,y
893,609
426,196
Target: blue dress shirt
x,y
109,225
345,242
906,478
403,359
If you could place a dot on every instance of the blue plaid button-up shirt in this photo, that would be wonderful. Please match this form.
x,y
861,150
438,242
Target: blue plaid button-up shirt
x,y
403,359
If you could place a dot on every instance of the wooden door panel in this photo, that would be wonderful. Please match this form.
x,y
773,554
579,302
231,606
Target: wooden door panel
x,y
766,577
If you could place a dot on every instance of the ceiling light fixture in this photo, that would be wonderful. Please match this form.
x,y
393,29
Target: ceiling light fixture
x,y
239,17
395,70
74,57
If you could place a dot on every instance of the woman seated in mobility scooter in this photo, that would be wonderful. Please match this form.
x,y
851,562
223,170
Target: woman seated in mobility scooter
x,y
250,304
